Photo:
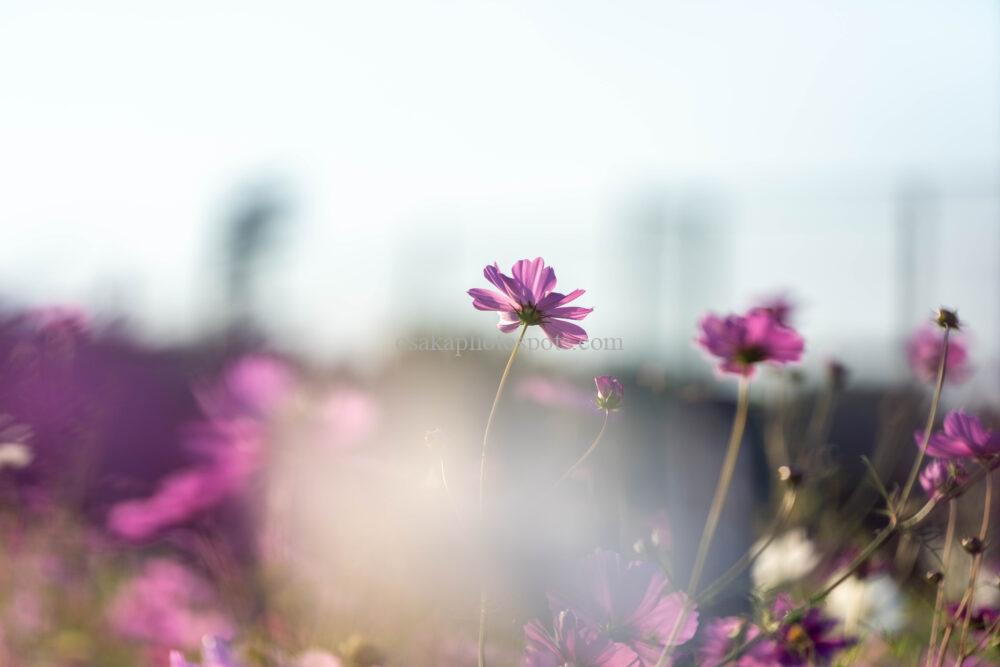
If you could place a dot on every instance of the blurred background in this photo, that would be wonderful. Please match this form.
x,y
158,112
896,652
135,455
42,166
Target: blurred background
x,y
320,183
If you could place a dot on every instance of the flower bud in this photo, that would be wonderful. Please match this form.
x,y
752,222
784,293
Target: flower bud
x,y
791,476
934,577
973,545
609,392
947,319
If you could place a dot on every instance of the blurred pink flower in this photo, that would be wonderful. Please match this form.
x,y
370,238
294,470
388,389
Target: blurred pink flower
x,y
742,341
251,387
347,417
551,393
628,603
963,436
527,298
167,605
720,637
235,451
609,392
923,352
570,644
317,658
778,306
940,476
214,653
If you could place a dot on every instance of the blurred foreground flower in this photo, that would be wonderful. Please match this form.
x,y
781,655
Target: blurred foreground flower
x,y
963,436
808,640
868,604
627,603
941,476
527,298
788,558
723,635
923,352
570,644
167,605
742,341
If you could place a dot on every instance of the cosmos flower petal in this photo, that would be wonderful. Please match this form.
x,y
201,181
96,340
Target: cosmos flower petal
x,y
569,313
564,334
484,299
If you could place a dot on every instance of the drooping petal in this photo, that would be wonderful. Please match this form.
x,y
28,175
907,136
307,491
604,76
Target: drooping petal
x,y
485,299
564,334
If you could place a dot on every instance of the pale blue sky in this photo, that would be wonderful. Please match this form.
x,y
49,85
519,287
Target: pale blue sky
x,y
474,131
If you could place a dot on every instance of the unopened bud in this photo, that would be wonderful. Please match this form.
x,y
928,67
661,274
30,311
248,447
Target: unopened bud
x,y
789,475
973,545
934,577
947,319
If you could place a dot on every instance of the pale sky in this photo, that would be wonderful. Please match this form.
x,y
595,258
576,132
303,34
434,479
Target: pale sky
x,y
442,135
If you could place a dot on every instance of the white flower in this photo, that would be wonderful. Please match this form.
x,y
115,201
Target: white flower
x,y
872,604
789,557
15,455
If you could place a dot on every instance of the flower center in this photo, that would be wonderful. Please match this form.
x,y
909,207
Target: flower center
x,y
799,640
751,355
530,315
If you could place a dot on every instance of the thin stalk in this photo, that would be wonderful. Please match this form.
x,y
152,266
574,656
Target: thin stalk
x,y
915,470
949,539
586,454
482,487
977,563
752,554
715,512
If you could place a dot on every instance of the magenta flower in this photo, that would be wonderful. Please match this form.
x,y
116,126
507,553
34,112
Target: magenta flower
x,y
627,603
940,476
807,641
251,387
742,341
214,653
167,605
779,306
609,392
724,634
923,352
963,436
527,298
571,644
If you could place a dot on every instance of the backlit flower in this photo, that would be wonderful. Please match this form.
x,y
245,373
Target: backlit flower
x,y
527,298
609,392
787,558
923,352
742,341
723,635
963,436
571,643
940,476
627,603
809,640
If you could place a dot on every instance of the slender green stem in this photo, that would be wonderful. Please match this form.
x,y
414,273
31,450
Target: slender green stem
x,y
949,539
929,427
977,563
752,554
714,513
586,454
482,487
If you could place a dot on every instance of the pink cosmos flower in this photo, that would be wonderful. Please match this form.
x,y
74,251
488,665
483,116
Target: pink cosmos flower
x,y
235,452
923,352
742,341
808,641
347,416
214,653
570,644
779,306
527,297
167,605
963,436
940,476
724,634
609,392
627,603
251,387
